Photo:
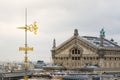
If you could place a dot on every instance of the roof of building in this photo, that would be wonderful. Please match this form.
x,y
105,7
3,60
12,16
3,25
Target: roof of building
x,y
92,41
96,41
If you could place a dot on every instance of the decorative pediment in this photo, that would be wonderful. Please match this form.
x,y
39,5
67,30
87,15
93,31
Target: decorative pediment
x,y
75,42
91,43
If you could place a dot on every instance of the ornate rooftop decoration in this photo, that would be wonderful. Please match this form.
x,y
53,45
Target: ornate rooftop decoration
x,y
102,32
76,32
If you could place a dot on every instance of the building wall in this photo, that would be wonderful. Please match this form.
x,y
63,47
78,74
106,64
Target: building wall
x,y
69,57
78,52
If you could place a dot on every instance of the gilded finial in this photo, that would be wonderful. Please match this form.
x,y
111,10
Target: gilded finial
x,y
32,28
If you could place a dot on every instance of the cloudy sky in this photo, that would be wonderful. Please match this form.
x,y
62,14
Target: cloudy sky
x,y
55,19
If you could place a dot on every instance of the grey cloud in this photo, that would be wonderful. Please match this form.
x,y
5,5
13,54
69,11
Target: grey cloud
x,y
55,19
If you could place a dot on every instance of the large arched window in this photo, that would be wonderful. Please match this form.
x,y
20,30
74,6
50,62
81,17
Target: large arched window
x,y
75,51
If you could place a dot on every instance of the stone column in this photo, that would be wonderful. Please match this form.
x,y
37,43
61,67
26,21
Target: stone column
x,y
101,57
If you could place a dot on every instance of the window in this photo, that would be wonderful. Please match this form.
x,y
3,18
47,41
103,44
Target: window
x,y
72,51
78,58
72,58
90,58
97,58
75,51
75,58
110,58
67,58
78,51
105,58
84,58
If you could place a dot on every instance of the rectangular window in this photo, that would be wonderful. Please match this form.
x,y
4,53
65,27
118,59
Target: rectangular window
x,y
75,51
72,51
72,58
78,58
78,51
75,58
84,58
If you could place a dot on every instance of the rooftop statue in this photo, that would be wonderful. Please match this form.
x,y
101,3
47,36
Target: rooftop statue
x,y
102,33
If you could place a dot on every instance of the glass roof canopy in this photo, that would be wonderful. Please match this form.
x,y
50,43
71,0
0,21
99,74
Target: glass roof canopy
x,y
96,41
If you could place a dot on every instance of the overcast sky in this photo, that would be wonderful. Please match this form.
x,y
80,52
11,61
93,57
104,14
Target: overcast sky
x,y
55,19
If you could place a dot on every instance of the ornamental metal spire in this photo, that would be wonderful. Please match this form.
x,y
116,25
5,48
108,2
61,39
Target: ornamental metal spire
x,y
33,28
54,44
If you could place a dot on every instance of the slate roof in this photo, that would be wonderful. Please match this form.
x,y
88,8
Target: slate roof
x,y
92,41
96,41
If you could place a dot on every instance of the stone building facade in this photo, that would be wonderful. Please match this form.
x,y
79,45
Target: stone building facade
x,y
79,51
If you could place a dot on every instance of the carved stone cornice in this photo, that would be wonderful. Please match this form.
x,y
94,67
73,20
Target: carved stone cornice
x,y
70,43
110,48
64,43
87,45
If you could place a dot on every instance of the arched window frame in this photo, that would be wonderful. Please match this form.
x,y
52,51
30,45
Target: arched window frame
x,y
76,51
